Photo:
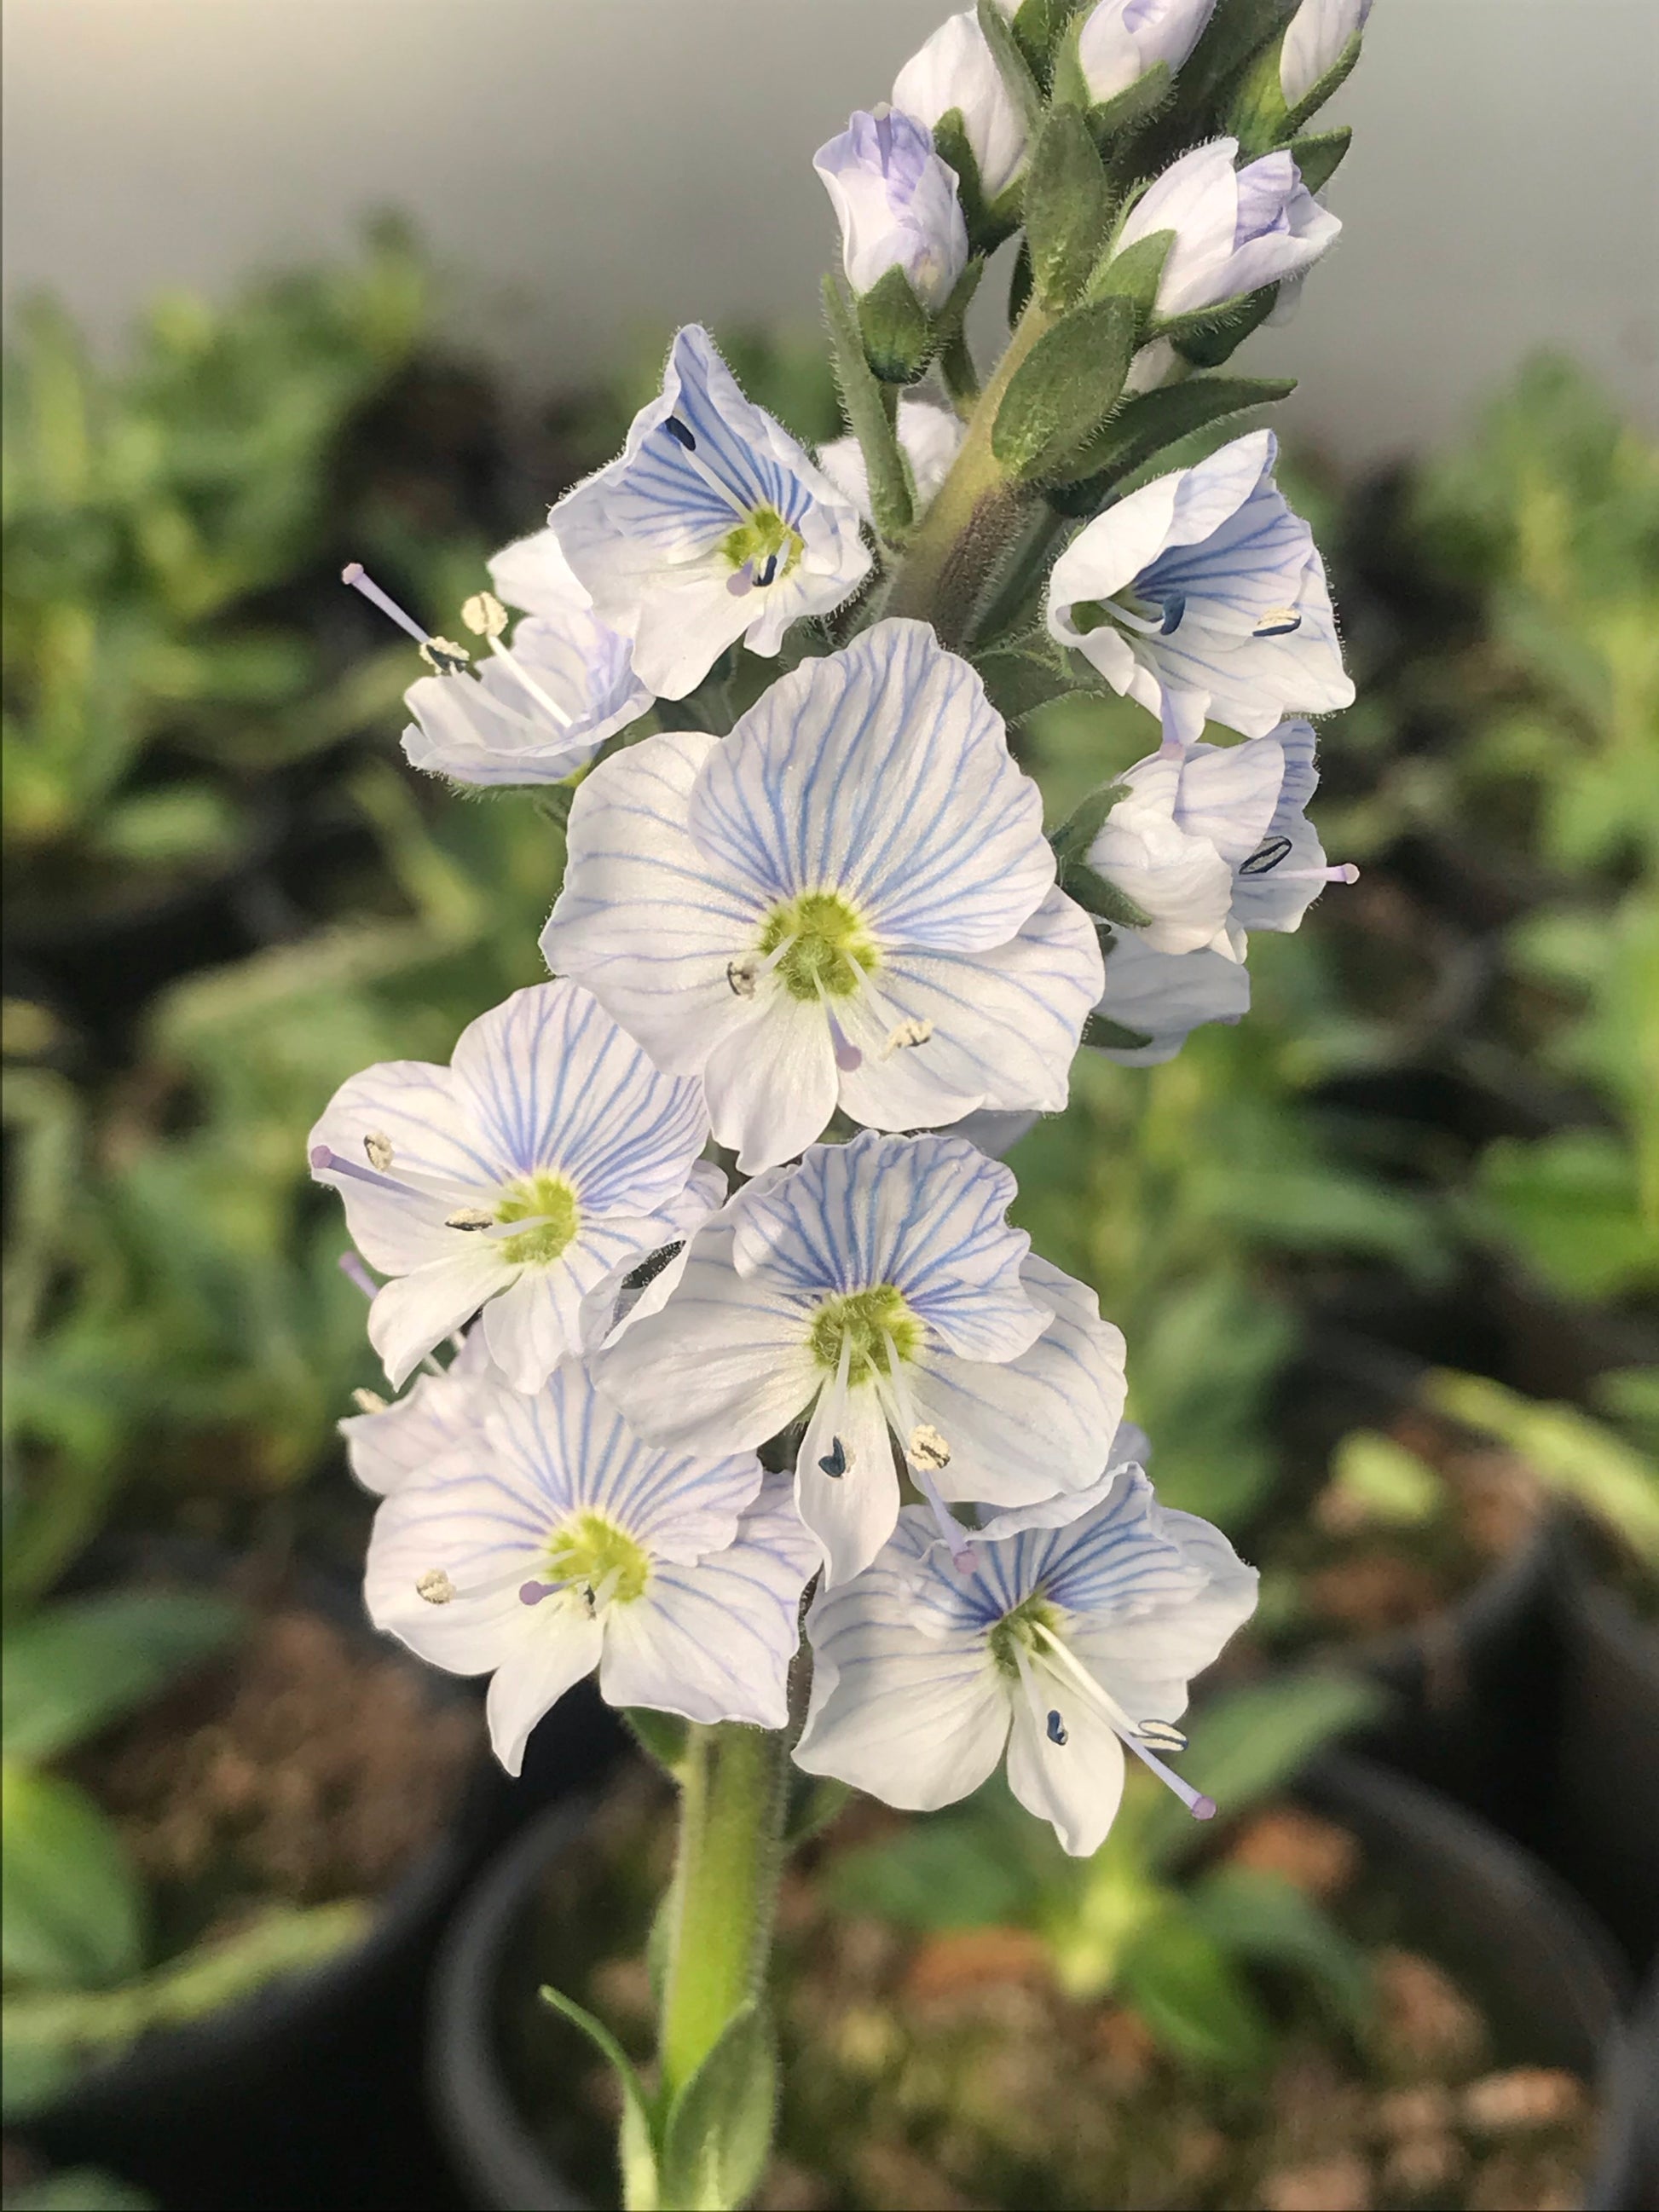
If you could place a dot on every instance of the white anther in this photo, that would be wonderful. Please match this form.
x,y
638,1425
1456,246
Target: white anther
x,y
905,1033
377,1146
485,615
469,1216
369,1402
436,1587
744,975
443,657
928,1448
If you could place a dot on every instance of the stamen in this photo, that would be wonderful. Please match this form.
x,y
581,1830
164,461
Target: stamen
x,y
1174,608
485,615
1132,1732
405,1186
444,658
1163,1734
379,1149
767,573
684,438
1264,862
1278,621
743,973
469,1216
904,1033
927,1447
354,574
1057,1730
354,1271
436,1587
543,698
369,1402
925,1450
835,1462
848,1058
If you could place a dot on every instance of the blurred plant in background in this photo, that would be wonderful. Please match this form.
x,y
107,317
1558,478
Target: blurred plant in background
x,y
188,698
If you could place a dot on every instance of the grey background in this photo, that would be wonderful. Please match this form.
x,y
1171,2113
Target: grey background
x,y
590,169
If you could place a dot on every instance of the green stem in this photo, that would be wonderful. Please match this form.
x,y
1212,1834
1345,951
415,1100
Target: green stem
x,y
976,511
726,1878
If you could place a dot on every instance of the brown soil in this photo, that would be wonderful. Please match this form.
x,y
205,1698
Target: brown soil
x,y
947,2073
314,1765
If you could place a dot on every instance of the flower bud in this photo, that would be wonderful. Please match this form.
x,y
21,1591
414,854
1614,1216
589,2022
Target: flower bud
x,y
1319,36
897,206
1235,230
956,74
1121,39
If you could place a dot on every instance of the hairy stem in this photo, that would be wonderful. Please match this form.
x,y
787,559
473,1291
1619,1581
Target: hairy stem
x,y
977,511
726,1878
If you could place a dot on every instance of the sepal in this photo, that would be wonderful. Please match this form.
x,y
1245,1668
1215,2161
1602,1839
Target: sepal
x,y
1236,35
1212,335
1108,1035
862,403
1068,205
1134,274
1096,896
896,329
718,2132
1015,69
1318,154
642,2178
661,1736
1064,390
1145,425
989,221
1074,836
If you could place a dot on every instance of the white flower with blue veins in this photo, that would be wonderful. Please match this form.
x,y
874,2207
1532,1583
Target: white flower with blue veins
x,y
553,1542
389,1445
1062,1648
1202,596
897,203
957,72
514,1180
712,524
848,901
1235,230
878,1287
1121,39
1165,996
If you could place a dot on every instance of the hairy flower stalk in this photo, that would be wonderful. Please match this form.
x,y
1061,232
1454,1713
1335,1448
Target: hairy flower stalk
x,y
720,1197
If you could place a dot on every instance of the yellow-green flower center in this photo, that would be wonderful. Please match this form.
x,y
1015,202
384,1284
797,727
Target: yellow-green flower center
x,y
831,947
864,1318
765,538
547,1200
1018,1627
595,1554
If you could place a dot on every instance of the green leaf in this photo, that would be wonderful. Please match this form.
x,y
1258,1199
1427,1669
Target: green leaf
x,y
718,2133
1386,1481
1146,424
865,411
942,1873
897,330
1192,1997
1018,681
73,1666
1067,204
1064,390
1254,1741
1264,1917
78,2188
1096,896
815,1800
1571,1203
1011,64
1569,1451
1319,155
71,1912
636,2148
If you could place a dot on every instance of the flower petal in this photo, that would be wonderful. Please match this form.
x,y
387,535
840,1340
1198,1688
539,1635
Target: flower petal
x,y
850,1514
533,1677
1077,1786
413,1312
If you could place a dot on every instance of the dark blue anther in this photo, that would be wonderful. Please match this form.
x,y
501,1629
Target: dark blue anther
x,y
834,1462
1282,628
1173,610
1056,1729
677,431
769,569
1267,859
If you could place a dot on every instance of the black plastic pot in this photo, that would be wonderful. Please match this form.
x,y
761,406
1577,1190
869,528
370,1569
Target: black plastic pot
x,y
309,2092
1545,1975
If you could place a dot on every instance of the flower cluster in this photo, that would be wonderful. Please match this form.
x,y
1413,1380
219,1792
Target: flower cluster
x,y
718,1199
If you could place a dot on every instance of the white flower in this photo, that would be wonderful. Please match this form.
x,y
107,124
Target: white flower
x,y
849,901
1121,39
711,525
1063,1647
877,1285
389,1445
1165,996
957,71
1213,840
1201,595
1320,32
1235,229
897,206
553,1542
513,1180
930,437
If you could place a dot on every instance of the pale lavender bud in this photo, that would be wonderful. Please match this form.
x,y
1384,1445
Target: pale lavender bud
x,y
897,203
1122,40
956,70
1319,35
1235,230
